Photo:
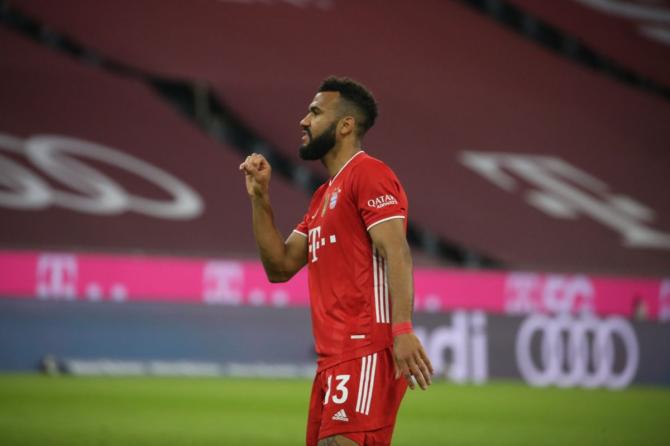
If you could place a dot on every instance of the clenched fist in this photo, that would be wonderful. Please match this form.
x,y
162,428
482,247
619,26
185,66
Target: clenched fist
x,y
257,172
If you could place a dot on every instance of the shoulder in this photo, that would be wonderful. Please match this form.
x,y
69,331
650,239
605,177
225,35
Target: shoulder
x,y
320,190
318,194
370,167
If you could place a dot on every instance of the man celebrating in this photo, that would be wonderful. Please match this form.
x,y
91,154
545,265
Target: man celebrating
x,y
360,271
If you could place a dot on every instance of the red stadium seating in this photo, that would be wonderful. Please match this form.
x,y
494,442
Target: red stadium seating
x,y
46,93
449,81
634,34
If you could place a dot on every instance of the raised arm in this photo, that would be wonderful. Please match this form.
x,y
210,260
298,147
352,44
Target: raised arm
x,y
410,358
281,259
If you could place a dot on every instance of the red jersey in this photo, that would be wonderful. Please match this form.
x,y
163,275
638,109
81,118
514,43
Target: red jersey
x,y
348,285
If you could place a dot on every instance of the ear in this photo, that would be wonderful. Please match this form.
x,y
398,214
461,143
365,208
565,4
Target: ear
x,y
347,126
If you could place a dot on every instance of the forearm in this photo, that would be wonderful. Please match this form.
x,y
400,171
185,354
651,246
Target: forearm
x,y
411,359
268,238
400,283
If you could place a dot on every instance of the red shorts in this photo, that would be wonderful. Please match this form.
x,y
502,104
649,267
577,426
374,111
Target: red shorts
x,y
359,399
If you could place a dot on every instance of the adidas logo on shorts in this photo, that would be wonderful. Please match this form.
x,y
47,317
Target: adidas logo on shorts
x,y
341,416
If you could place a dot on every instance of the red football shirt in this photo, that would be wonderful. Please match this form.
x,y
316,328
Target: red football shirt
x,y
348,286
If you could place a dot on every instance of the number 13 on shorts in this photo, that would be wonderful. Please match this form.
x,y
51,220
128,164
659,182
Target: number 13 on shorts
x,y
341,392
359,395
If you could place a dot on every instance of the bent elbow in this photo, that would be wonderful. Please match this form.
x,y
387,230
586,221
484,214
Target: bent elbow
x,y
279,272
277,276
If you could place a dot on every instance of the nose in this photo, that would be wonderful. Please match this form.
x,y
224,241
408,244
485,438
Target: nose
x,y
304,123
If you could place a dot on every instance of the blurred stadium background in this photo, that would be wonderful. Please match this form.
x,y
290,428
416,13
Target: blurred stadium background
x,y
532,138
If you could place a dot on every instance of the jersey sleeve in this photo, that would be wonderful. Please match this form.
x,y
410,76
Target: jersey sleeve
x,y
379,194
301,228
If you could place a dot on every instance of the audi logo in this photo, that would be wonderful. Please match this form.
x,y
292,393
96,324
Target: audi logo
x,y
89,190
567,351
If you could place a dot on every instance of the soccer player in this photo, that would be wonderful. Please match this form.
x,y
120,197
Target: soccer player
x,y
353,239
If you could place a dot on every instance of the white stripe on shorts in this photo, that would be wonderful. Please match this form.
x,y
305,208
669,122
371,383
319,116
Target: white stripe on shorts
x,y
372,383
366,384
360,384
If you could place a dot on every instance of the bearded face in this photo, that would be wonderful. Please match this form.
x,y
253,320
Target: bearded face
x,y
317,147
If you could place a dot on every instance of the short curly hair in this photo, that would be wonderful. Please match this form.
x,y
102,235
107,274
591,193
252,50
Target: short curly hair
x,y
355,97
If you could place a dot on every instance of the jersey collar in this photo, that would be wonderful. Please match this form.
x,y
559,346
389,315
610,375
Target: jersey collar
x,y
345,165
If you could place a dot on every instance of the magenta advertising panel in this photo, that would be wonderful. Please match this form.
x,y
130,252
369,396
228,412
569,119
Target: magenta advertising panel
x,y
124,278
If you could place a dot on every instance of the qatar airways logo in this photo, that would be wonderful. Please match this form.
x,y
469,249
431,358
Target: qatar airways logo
x,y
382,201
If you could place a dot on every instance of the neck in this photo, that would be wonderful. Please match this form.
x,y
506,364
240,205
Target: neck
x,y
338,156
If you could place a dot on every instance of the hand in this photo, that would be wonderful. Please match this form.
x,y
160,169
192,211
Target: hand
x,y
411,360
257,172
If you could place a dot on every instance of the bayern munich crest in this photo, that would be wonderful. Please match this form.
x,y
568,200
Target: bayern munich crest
x,y
333,198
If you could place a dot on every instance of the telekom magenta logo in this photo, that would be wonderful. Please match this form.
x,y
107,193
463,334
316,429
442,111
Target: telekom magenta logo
x,y
223,283
227,283
554,293
64,277
57,276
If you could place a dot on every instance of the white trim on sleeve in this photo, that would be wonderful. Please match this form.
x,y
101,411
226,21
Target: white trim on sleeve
x,y
301,233
383,220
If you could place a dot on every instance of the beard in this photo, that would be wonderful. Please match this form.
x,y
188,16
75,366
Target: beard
x,y
317,148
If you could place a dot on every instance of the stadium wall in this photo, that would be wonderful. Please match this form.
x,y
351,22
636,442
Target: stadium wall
x,y
85,338
106,314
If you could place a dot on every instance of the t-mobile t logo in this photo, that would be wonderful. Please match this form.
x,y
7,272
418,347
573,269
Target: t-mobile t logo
x,y
563,191
222,283
316,241
57,276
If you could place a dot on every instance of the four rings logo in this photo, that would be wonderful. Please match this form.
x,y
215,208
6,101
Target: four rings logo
x,y
566,351
94,192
